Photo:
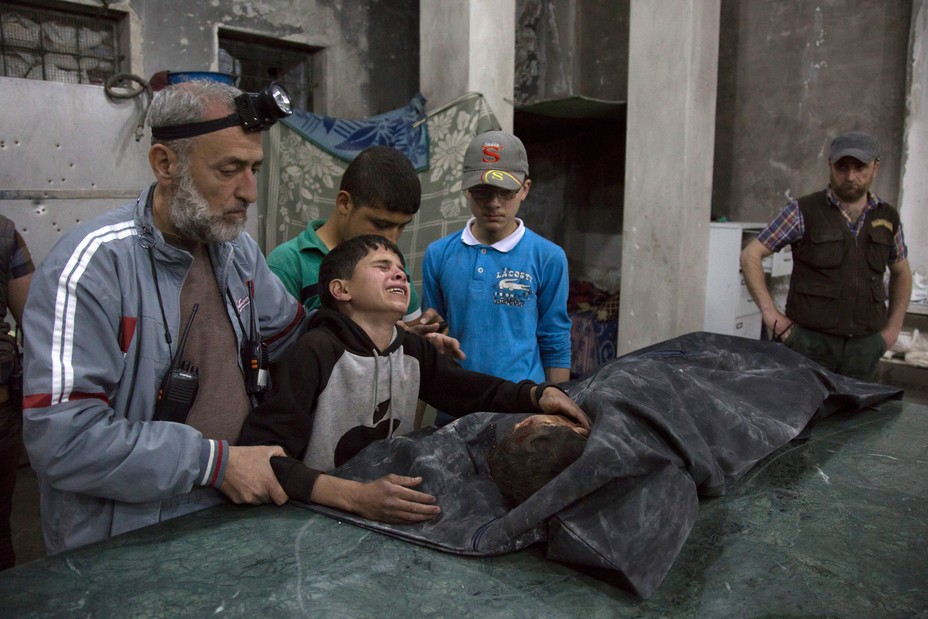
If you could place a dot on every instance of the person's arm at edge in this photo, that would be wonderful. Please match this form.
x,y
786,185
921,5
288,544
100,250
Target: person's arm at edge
x,y
900,292
753,270
18,290
21,270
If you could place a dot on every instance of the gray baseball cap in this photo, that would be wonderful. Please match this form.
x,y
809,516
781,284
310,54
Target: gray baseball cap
x,y
495,158
861,146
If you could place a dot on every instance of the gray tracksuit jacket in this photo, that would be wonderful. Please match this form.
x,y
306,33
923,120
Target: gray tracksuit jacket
x,y
94,359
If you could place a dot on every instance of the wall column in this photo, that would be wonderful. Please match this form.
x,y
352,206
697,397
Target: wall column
x,y
468,46
672,75
913,185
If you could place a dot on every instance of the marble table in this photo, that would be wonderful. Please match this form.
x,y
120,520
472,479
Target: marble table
x,y
835,525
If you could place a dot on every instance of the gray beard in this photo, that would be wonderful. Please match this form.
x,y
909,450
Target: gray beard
x,y
192,218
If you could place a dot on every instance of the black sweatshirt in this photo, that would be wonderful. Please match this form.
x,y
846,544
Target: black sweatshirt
x,y
334,393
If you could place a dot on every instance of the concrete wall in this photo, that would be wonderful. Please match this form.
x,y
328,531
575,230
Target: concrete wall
x,y
791,76
66,158
668,171
468,46
913,193
67,152
369,60
568,47
444,59
370,47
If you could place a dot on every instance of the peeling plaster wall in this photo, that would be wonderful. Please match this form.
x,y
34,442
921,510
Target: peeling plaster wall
x,y
566,48
371,47
571,47
72,154
913,199
791,76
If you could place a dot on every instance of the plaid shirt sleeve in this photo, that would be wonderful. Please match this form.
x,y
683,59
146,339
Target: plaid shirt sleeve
x,y
899,252
785,229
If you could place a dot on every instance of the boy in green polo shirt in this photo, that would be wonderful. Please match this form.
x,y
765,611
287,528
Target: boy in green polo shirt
x,y
379,194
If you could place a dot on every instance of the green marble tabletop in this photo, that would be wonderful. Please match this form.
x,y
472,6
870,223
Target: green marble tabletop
x,y
833,526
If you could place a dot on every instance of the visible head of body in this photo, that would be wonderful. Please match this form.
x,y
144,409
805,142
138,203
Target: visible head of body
x,y
379,194
364,278
495,183
205,183
853,161
535,452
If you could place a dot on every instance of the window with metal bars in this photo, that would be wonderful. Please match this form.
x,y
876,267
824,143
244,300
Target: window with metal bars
x,y
57,46
257,60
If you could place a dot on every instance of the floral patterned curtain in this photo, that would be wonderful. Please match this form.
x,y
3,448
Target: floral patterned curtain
x,y
302,178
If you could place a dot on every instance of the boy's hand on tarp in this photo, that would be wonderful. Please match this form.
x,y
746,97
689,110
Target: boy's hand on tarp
x,y
391,499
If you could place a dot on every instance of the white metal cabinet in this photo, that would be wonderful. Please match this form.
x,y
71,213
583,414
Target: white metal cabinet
x,y
730,310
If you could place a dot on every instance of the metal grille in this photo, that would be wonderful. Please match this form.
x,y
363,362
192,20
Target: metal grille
x,y
56,46
258,62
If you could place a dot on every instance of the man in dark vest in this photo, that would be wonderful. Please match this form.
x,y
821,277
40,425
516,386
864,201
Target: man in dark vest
x,y
843,239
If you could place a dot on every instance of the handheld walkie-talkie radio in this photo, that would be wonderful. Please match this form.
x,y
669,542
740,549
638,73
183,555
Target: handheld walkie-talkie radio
x,y
255,356
255,360
180,385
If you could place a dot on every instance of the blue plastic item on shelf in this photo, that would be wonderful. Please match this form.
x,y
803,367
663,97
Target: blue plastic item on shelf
x,y
186,76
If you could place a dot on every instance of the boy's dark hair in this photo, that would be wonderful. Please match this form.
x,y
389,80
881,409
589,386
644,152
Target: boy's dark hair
x,y
530,457
341,262
383,177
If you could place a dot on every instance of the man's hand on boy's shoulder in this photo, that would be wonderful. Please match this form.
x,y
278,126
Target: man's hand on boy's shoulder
x,y
430,321
433,327
389,499
446,345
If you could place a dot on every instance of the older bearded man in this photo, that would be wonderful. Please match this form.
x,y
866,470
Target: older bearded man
x,y
148,329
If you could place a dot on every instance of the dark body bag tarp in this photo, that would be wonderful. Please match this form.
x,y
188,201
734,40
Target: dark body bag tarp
x,y
673,421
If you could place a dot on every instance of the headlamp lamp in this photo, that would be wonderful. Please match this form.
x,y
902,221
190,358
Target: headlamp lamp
x,y
253,111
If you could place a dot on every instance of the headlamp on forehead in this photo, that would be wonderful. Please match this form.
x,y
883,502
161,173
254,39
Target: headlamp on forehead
x,y
253,111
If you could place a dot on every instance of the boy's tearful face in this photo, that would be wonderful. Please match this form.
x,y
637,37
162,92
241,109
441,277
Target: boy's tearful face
x,y
379,284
